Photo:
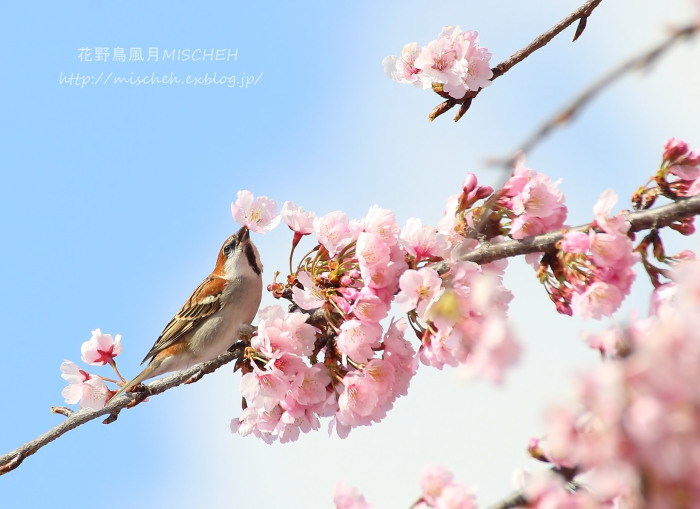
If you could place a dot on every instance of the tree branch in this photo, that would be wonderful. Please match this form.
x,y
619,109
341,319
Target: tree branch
x,y
13,459
540,41
565,114
641,220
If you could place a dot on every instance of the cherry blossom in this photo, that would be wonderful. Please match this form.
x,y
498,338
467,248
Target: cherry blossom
x,y
298,220
333,231
257,214
423,242
101,349
311,296
536,203
349,498
418,289
357,338
633,423
89,390
403,68
454,61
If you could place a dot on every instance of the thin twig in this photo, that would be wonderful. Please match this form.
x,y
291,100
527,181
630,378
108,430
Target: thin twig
x,y
13,459
581,14
566,114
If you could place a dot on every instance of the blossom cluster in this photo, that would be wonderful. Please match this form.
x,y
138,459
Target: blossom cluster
x,y
593,271
453,63
678,176
438,491
354,364
534,203
684,167
636,426
84,388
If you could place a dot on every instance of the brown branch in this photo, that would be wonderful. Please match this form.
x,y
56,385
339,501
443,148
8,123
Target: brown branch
x,y
581,14
640,61
13,459
641,220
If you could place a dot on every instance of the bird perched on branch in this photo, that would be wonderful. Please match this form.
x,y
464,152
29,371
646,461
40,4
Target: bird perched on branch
x,y
209,321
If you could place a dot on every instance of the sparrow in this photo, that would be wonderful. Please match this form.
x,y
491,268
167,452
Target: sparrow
x,y
209,321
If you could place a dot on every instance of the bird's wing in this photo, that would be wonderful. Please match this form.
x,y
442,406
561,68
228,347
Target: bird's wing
x,y
204,302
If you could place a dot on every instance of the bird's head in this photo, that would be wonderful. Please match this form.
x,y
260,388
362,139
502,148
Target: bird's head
x,y
239,257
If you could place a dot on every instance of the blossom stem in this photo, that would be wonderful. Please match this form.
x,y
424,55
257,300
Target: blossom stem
x,y
114,367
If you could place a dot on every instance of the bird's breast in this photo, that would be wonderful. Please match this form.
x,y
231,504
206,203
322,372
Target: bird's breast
x,y
241,299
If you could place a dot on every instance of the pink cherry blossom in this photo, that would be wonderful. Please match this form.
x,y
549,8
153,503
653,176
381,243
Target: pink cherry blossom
x,y
448,222
263,389
536,202
101,349
472,69
441,492
333,231
311,296
369,307
418,289
297,218
257,214
456,497
494,352
371,251
349,498
383,223
454,60
311,387
279,330
358,401
258,422
602,210
445,347
597,300
403,68
400,353
89,390
575,242
423,242
636,421
382,374
436,60
356,339
433,480
674,148
611,250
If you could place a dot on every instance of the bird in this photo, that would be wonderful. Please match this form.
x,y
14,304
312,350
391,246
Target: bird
x,y
209,321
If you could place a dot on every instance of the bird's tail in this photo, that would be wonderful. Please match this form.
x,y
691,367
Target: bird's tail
x,y
145,374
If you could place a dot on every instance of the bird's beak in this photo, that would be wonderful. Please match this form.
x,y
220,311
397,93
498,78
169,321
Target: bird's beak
x,y
243,234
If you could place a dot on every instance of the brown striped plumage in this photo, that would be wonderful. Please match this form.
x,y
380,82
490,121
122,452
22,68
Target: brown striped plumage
x,y
209,321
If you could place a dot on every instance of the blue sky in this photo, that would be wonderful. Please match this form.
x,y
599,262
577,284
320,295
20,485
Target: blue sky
x,y
115,200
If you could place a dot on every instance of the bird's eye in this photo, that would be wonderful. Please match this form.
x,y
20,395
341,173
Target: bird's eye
x,y
227,249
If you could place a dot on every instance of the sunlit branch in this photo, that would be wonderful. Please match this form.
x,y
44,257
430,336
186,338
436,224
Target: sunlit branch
x,y
562,117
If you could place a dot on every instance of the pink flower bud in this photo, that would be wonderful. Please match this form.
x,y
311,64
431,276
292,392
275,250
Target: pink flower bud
x,y
674,148
470,183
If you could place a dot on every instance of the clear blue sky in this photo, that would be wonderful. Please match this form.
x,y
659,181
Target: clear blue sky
x,y
115,199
